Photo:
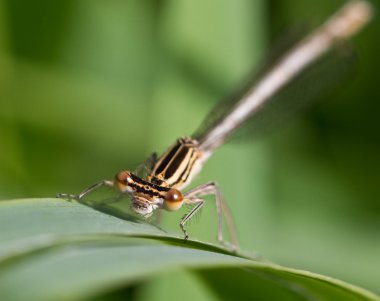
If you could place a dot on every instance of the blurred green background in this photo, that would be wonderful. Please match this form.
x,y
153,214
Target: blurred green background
x,y
91,87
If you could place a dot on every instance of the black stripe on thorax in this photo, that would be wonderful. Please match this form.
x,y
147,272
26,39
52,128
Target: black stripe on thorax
x,y
186,172
176,162
165,161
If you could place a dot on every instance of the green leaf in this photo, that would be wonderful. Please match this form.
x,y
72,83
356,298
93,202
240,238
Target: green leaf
x,y
52,249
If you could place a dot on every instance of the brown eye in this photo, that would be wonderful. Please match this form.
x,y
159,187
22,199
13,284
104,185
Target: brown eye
x,y
122,179
173,200
174,195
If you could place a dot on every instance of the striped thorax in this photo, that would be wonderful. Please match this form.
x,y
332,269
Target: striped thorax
x,y
178,165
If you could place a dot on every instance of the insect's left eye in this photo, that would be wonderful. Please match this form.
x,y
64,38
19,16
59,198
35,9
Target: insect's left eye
x,y
173,200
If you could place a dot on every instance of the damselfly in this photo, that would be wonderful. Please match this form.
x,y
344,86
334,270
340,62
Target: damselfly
x,y
169,174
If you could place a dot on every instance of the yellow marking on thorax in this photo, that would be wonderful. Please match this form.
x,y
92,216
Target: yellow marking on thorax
x,y
177,166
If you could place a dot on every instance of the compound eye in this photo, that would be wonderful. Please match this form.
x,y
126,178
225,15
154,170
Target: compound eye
x,y
123,176
123,179
173,200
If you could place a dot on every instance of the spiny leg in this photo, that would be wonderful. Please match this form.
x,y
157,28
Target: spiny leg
x,y
222,209
230,225
199,203
158,218
93,187
210,188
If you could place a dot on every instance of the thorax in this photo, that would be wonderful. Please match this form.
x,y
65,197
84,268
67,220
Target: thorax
x,y
178,165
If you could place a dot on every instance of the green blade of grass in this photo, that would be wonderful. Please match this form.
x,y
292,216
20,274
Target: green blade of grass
x,y
57,250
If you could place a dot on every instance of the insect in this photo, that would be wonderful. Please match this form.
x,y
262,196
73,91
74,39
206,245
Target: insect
x,y
169,174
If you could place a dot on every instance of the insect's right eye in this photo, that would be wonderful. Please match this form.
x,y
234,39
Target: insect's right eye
x,y
123,179
124,176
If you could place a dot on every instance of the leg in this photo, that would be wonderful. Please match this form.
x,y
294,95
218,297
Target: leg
x,y
199,203
86,191
157,218
222,209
